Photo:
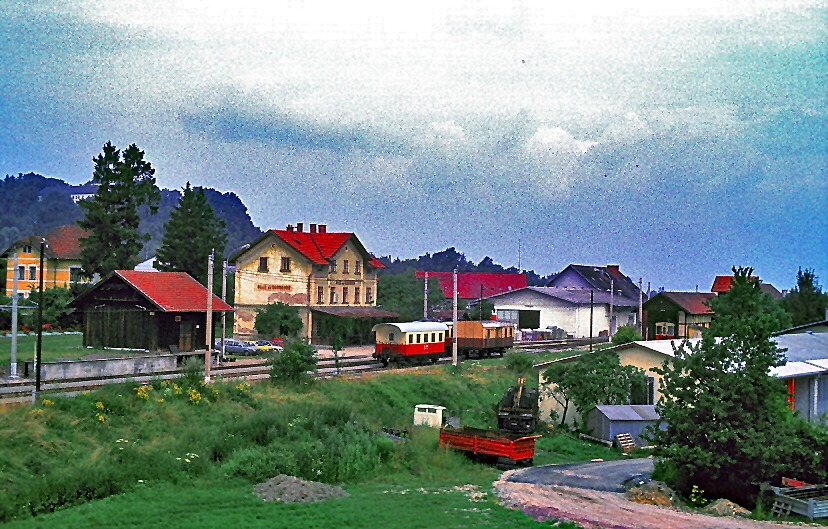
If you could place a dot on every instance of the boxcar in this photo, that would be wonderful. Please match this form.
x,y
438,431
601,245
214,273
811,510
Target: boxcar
x,y
410,342
480,339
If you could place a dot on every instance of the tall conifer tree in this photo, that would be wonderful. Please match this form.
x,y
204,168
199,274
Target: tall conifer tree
x,y
192,232
111,216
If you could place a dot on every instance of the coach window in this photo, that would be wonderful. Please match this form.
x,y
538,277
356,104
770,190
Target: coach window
x,y
262,264
390,336
419,338
410,338
440,336
432,337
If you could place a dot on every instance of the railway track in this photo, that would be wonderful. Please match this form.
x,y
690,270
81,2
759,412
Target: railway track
x,y
21,390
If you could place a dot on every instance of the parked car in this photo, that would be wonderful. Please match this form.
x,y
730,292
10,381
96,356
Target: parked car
x,y
265,347
278,341
236,347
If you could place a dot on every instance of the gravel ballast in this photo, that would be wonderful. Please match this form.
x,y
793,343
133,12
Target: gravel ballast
x,y
290,489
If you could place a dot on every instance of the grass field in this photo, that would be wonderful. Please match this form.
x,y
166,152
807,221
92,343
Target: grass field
x,y
186,455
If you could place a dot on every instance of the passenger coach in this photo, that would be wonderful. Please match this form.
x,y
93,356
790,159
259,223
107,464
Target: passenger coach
x,y
412,341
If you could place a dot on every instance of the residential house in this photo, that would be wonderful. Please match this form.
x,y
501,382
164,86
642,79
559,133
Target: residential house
x,y
61,264
152,311
324,274
669,315
723,283
579,312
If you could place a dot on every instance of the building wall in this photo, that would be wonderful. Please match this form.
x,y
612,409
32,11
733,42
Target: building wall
x,y
57,271
299,287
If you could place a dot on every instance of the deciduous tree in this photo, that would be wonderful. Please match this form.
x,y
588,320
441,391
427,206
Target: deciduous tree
x,y
625,334
403,294
726,420
111,216
190,235
278,319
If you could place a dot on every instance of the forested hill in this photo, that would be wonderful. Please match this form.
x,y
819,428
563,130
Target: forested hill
x,y
31,204
448,259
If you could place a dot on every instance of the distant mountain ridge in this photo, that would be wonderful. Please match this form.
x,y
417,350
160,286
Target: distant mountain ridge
x,y
32,204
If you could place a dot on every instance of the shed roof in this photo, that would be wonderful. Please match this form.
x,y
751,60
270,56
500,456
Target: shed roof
x,y
690,302
469,283
804,346
800,369
628,412
168,291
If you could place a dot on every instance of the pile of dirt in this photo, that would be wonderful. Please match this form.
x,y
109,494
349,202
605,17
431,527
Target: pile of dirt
x,y
726,508
654,493
290,489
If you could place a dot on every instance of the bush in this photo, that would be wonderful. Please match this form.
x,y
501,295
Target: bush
x,y
520,363
296,364
625,334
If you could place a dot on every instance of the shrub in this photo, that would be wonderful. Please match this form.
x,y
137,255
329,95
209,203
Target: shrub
x,y
625,334
520,363
296,364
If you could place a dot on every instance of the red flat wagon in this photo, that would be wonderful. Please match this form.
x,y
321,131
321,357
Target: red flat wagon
x,y
507,449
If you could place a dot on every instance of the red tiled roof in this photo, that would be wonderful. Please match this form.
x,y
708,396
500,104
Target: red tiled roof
x,y
469,283
319,247
64,242
691,302
723,283
172,291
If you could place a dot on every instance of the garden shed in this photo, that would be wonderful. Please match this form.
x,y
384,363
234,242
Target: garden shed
x,y
607,421
147,310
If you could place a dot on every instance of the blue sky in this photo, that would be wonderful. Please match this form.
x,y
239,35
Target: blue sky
x,y
676,140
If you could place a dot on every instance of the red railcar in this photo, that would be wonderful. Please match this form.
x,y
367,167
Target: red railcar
x,y
507,449
412,341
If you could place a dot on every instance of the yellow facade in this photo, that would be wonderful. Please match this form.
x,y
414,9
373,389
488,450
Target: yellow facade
x,y
301,283
57,272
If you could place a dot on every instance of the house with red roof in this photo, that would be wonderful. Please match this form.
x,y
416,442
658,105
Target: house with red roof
x,y
475,285
61,264
670,315
324,274
151,311
723,283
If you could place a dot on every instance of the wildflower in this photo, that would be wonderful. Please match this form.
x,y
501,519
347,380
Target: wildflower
x,y
177,389
48,403
143,392
159,400
100,405
195,396
100,417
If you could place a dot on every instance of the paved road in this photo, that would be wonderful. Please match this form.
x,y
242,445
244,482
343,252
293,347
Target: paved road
x,y
607,476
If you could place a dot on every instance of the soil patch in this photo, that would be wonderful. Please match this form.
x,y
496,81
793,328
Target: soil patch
x,y
290,489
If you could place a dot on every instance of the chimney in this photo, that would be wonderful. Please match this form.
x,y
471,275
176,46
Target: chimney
x,y
323,228
289,227
313,228
299,227
613,270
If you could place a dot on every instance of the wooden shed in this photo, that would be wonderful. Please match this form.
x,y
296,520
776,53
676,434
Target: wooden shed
x,y
606,421
147,310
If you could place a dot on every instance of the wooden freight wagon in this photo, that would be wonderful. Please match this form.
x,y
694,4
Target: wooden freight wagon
x,y
476,338
507,450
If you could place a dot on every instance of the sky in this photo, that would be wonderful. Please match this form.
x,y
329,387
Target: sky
x,y
676,139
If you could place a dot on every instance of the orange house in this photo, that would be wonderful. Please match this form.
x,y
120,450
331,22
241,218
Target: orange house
x,y
61,264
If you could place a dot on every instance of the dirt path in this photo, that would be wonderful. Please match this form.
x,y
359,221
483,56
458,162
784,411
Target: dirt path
x,y
609,510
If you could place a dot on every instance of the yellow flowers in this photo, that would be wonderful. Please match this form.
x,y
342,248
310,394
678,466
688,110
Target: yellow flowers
x,y
101,417
194,396
143,392
48,403
100,405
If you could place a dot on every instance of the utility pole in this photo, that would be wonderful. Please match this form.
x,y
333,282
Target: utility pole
x,y
519,268
425,298
591,302
224,298
13,370
454,324
612,299
640,304
39,349
207,358
480,305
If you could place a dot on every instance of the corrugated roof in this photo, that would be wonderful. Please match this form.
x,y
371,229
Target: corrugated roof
x,y
799,369
172,291
804,346
626,412
469,283
690,302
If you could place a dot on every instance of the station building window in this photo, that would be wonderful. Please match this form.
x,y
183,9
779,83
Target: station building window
x,y
262,264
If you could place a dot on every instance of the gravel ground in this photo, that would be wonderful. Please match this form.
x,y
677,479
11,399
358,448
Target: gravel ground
x,y
289,489
594,509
